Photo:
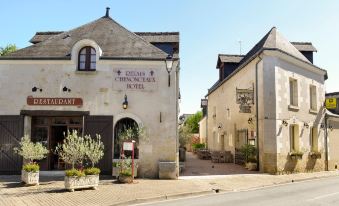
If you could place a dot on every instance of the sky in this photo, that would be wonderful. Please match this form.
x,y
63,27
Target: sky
x,y
207,28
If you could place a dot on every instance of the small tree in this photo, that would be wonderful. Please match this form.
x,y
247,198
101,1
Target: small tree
x,y
249,152
184,136
31,151
94,149
8,49
73,149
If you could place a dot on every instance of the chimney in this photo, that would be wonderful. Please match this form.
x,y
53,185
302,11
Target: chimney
x,y
107,12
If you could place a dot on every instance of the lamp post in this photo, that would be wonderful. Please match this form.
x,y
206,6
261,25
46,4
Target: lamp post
x,y
169,66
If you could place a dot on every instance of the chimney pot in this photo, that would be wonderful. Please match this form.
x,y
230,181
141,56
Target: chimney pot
x,y
107,12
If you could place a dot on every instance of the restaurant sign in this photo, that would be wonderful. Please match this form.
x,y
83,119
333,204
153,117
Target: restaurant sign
x,y
43,101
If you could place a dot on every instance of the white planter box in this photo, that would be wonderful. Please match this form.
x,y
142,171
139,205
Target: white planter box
x,y
30,178
88,181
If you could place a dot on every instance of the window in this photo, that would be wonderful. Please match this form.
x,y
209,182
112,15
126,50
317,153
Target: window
x,y
313,97
294,138
294,92
87,59
314,139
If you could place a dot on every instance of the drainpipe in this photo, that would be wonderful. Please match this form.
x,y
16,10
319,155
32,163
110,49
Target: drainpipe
x,y
326,146
257,110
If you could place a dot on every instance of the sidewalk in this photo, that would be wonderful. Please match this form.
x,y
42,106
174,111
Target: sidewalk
x,y
51,191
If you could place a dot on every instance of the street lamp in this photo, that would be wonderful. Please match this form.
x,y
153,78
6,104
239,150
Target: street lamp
x,y
169,66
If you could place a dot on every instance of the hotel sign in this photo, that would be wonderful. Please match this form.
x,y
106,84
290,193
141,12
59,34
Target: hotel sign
x,y
135,79
42,101
331,103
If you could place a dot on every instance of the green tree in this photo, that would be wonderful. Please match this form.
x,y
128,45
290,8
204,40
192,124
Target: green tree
x,y
192,122
8,49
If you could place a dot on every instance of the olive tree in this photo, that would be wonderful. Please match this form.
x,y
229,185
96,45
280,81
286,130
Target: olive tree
x,y
31,151
94,149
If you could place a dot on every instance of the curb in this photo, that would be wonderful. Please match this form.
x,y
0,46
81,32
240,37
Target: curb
x,y
164,197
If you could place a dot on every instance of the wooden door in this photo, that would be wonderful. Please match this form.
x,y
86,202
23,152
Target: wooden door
x,y
11,131
102,125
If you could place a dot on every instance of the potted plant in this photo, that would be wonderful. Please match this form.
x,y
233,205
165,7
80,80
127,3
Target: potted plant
x,y
249,153
125,173
74,150
315,155
296,155
30,151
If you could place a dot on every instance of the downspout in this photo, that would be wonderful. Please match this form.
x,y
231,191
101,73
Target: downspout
x,y
257,110
325,143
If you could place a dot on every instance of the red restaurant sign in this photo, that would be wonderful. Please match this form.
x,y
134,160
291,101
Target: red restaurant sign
x,y
54,101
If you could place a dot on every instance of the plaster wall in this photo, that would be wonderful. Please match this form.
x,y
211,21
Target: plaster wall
x,y
155,108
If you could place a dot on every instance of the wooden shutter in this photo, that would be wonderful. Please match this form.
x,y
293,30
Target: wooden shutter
x,y
102,125
11,131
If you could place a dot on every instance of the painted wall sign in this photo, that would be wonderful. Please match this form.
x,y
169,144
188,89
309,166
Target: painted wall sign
x,y
331,103
135,79
43,101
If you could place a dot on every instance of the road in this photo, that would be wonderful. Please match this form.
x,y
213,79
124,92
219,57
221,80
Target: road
x,y
313,192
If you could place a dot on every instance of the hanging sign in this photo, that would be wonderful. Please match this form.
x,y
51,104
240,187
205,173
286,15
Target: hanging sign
x,y
43,101
127,146
331,103
245,98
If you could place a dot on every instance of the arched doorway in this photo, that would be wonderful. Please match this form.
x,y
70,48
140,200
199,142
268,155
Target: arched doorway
x,y
120,127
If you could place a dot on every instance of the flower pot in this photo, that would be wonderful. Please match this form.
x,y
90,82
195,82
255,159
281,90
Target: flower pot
x,y
30,178
251,166
125,179
88,181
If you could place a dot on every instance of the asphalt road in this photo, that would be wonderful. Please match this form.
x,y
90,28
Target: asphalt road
x,y
313,192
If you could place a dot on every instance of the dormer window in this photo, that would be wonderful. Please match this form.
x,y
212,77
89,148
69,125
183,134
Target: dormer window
x,y
87,59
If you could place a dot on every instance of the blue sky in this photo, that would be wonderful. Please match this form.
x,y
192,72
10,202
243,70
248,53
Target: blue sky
x,y
207,28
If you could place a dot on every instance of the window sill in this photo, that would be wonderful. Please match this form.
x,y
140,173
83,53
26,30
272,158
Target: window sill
x,y
292,107
312,111
88,72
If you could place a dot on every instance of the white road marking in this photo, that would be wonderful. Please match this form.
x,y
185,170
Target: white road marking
x,y
323,196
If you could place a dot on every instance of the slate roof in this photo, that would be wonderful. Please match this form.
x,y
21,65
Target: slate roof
x,y
229,58
114,40
42,36
273,40
159,37
304,46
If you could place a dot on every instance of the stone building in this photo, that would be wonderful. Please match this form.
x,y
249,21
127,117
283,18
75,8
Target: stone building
x,y
272,97
98,78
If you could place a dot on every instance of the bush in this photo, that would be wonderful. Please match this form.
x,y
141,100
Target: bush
x,y
74,173
92,171
198,146
31,151
248,151
126,173
31,167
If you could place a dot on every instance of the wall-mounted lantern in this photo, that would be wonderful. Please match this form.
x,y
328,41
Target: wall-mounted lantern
x,y
330,127
169,66
65,89
306,125
125,103
34,89
250,120
285,123
219,126
322,126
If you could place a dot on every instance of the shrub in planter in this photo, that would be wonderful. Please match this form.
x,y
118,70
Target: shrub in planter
x,y
197,146
296,155
249,152
315,155
125,173
30,151
74,150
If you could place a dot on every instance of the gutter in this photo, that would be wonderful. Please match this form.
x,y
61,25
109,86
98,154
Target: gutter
x,y
257,110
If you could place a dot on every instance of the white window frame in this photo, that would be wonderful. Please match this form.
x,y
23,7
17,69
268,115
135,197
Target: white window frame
x,y
294,95
313,98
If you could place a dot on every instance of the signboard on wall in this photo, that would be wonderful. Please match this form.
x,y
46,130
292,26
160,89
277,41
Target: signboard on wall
x,y
331,103
245,98
135,79
128,146
43,101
